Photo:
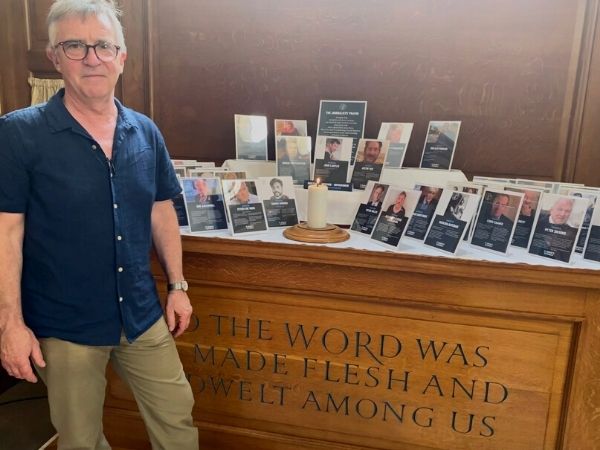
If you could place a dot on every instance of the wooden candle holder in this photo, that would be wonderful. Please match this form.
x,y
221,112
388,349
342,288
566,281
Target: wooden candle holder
x,y
329,233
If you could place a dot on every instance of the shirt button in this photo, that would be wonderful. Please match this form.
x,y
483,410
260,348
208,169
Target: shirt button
x,y
94,147
120,269
119,238
115,205
120,299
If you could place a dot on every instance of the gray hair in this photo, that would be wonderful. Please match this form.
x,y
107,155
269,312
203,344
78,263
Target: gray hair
x,y
61,9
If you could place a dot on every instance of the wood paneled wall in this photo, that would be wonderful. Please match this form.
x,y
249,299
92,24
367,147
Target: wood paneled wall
x,y
522,76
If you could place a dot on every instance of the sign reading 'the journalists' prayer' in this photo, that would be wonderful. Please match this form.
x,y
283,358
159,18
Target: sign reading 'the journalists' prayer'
x,y
342,119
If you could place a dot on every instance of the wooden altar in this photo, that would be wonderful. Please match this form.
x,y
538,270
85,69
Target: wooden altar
x,y
312,347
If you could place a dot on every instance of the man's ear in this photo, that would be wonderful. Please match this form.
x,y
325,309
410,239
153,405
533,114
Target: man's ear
x,y
52,56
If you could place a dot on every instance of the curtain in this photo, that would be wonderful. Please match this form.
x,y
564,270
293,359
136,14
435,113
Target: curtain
x,y
43,89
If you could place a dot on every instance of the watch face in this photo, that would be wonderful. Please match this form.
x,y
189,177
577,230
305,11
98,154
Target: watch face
x,y
184,285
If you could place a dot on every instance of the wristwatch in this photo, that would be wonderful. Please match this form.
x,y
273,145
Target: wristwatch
x,y
178,286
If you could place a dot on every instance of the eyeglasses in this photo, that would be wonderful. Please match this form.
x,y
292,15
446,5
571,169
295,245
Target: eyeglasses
x,y
78,51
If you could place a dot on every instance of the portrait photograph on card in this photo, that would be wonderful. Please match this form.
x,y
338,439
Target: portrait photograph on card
x,y
332,159
204,204
592,247
429,196
395,213
250,137
592,198
293,157
496,220
398,135
370,159
440,145
345,118
452,217
557,227
527,215
369,207
278,197
246,211
285,127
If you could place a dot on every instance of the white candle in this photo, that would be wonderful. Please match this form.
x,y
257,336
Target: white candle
x,y
317,205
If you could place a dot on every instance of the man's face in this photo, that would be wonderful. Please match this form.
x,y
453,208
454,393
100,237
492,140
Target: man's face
x,y
395,134
400,200
202,188
528,203
429,196
288,126
277,189
243,195
89,78
332,147
499,205
376,194
561,211
372,150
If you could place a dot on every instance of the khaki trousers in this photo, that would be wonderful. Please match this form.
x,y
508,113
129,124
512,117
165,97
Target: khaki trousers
x,y
76,379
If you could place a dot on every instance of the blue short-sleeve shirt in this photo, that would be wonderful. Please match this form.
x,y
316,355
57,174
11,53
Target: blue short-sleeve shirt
x,y
86,252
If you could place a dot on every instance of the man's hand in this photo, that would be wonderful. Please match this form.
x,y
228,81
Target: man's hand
x,y
17,345
178,311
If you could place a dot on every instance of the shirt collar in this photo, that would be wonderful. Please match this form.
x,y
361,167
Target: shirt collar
x,y
59,119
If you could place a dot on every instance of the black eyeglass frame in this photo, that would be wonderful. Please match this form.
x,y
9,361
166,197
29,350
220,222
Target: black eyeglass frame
x,y
87,50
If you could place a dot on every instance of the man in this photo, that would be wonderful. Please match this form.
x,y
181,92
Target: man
x,y
553,236
428,201
366,167
371,151
376,196
497,210
242,195
85,189
331,149
525,219
493,229
203,192
277,190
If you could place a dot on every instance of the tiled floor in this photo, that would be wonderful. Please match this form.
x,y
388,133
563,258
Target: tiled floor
x,y
24,418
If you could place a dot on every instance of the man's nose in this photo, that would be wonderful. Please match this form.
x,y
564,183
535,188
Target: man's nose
x,y
91,59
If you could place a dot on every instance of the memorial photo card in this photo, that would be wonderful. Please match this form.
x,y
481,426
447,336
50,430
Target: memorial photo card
x,y
293,157
398,135
370,160
285,127
557,227
204,204
395,213
440,144
451,219
250,137
592,247
429,196
369,207
592,197
496,220
279,199
332,159
246,210
527,215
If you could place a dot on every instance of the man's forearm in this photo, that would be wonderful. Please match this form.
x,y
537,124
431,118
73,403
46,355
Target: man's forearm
x,y
11,263
167,240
